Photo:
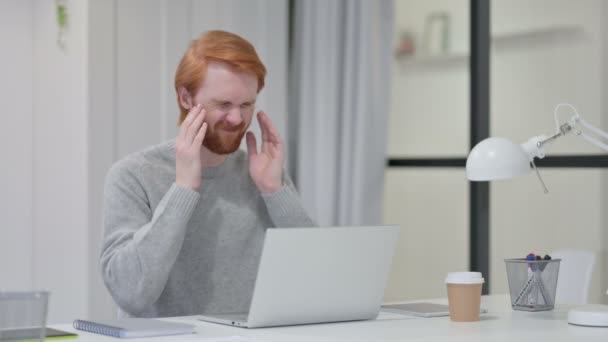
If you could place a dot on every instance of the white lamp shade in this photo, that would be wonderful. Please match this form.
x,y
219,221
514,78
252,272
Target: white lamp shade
x,y
497,158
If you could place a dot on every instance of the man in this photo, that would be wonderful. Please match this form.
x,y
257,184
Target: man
x,y
184,221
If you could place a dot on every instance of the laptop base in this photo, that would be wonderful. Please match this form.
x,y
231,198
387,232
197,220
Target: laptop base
x,y
237,320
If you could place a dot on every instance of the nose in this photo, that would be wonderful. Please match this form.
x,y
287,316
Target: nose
x,y
234,117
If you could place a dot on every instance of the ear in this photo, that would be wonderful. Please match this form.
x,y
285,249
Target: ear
x,y
185,99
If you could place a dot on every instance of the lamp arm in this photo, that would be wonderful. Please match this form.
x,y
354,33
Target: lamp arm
x,y
594,141
595,130
576,123
535,146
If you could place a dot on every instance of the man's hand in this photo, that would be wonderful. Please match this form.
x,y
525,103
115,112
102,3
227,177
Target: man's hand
x,y
266,167
188,168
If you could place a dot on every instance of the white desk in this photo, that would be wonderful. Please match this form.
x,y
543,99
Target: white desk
x,y
501,323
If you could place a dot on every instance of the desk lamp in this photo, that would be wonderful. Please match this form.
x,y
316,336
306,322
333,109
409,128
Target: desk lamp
x,y
499,158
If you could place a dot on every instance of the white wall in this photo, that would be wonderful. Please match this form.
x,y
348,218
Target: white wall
x,y
16,144
67,115
60,99
44,129
101,140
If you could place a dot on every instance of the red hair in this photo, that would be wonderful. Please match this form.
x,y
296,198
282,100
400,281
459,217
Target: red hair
x,y
220,46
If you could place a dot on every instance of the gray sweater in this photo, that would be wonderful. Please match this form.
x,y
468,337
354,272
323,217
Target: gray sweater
x,y
171,251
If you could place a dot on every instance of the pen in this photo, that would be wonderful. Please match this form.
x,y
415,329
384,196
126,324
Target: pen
x,y
541,287
526,288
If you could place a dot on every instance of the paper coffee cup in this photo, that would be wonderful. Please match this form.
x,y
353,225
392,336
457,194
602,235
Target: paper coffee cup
x,y
464,295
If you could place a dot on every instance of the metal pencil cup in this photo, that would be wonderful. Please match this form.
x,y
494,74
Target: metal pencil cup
x,y
532,284
23,315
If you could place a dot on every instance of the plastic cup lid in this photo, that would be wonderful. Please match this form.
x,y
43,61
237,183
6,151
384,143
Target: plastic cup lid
x,y
464,278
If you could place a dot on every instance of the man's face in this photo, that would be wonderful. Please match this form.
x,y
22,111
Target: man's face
x,y
228,96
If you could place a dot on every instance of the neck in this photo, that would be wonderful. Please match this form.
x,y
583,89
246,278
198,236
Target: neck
x,y
210,159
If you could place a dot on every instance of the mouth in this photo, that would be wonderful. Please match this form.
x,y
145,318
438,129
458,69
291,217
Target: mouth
x,y
232,130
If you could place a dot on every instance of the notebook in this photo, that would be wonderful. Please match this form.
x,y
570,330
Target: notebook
x,y
134,327
34,333
418,309
422,309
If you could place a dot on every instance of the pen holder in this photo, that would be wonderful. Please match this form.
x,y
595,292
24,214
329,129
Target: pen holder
x,y
532,284
23,316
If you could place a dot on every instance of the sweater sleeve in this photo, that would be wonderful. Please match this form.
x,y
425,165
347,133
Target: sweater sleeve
x,y
285,207
140,246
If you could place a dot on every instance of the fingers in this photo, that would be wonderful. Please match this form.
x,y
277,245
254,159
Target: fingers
x,y
186,131
195,126
252,149
186,123
200,136
263,127
271,139
269,132
192,114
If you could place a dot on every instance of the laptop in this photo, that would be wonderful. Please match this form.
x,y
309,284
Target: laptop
x,y
318,275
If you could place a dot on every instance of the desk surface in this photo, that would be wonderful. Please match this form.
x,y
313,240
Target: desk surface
x,y
501,323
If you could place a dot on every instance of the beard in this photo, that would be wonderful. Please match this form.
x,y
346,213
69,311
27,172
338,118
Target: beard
x,y
224,139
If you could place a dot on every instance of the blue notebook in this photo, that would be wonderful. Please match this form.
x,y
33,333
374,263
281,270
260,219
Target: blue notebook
x,y
134,327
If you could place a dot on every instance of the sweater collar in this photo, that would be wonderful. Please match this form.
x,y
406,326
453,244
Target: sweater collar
x,y
222,169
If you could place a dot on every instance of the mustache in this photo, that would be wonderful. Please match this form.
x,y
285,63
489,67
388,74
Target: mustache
x,y
230,128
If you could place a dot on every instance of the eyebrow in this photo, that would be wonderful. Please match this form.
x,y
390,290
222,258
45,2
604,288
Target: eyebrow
x,y
221,101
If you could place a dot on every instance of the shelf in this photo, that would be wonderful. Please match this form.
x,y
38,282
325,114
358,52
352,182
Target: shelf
x,y
539,32
455,58
439,59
